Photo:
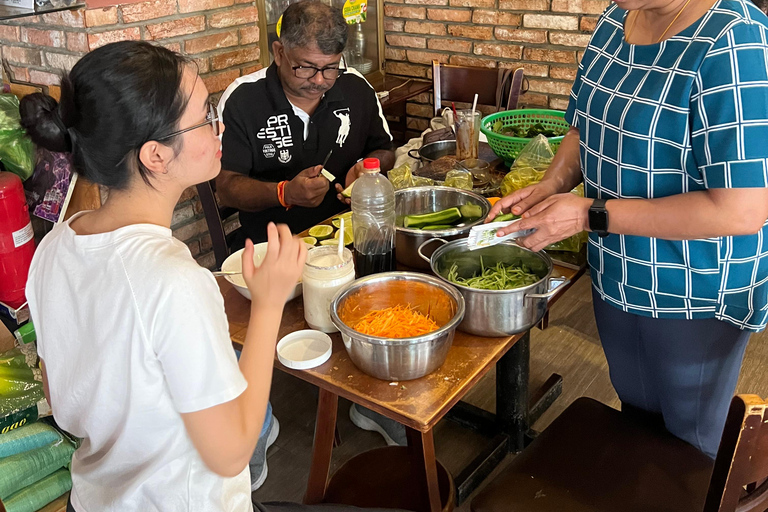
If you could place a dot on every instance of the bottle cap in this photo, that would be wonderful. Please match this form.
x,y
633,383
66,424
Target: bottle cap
x,y
371,163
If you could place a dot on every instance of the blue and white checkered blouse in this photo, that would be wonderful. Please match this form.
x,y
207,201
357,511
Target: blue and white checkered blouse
x,y
690,113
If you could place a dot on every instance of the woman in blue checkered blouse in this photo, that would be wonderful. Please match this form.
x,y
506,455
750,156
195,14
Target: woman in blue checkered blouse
x,y
669,116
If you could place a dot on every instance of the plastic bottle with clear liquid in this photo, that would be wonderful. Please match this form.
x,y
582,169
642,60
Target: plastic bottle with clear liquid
x,y
373,221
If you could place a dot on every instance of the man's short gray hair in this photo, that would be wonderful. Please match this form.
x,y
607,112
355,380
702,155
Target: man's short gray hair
x,y
311,22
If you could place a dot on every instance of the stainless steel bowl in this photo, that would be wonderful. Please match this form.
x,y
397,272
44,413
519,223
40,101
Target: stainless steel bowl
x,y
497,312
434,150
405,358
415,200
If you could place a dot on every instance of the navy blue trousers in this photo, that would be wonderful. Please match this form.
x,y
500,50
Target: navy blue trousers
x,y
684,370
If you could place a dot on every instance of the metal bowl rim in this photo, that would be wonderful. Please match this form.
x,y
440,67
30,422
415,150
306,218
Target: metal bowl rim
x,y
445,247
444,232
397,276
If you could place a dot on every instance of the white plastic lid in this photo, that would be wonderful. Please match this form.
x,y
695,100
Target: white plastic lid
x,y
305,349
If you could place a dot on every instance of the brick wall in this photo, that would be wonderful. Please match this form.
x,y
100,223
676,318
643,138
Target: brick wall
x,y
221,36
546,37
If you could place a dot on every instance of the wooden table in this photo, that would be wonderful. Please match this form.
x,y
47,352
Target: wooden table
x,y
419,404
401,90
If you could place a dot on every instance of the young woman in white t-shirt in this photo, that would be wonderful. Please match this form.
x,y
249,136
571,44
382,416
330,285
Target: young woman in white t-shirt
x,y
133,336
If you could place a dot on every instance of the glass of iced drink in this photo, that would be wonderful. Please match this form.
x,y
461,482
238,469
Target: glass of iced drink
x,y
467,133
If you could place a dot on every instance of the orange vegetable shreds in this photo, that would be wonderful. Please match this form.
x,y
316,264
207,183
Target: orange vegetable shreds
x,y
395,322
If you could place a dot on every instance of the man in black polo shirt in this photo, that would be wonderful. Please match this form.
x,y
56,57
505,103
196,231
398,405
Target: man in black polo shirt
x,y
281,123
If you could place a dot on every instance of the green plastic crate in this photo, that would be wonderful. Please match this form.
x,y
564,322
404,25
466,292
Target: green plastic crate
x,y
509,148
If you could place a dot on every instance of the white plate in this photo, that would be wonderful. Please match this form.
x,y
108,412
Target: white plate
x,y
305,349
234,263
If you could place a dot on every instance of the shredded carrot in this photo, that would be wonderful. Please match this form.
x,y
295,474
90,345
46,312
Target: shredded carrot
x,y
396,322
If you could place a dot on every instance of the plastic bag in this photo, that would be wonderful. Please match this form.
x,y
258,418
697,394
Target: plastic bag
x,y
459,178
17,153
401,176
29,437
530,165
529,168
21,388
39,494
24,469
9,113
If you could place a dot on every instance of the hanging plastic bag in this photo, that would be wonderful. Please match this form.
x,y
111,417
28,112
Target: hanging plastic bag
x,y
17,153
529,168
530,165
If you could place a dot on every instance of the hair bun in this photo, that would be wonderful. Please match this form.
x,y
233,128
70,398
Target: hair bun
x,y
41,118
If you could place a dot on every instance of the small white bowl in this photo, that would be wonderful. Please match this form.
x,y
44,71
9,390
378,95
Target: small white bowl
x,y
234,263
305,349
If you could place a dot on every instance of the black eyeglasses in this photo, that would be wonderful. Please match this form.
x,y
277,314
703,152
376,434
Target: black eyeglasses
x,y
212,120
307,72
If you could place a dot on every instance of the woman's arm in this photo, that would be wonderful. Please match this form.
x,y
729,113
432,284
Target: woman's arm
x,y
562,176
225,435
701,214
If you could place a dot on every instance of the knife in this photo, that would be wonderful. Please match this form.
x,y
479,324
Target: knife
x,y
330,177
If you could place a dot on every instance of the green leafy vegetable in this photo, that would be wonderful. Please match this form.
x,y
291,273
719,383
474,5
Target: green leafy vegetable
x,y
527,133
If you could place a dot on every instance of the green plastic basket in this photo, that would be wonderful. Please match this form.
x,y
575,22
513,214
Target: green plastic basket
x,y
509,148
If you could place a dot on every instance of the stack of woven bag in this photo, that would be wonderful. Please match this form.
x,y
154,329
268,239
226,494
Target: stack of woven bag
x,y
34,462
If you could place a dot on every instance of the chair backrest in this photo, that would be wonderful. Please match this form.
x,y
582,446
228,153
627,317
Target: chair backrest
x,y
213,217
498,87
740,476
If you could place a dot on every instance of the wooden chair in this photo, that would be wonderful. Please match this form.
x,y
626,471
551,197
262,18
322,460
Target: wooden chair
x,y
594,458
214,217
499,87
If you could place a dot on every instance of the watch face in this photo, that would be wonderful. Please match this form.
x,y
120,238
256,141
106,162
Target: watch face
x,y
598,220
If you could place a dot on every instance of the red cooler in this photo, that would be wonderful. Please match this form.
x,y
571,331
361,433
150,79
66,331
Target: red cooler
x,y
17,243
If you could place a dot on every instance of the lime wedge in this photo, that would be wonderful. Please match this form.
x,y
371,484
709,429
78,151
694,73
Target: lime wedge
x,y
332,241
309,240
320,232
336,221
348,191
348,234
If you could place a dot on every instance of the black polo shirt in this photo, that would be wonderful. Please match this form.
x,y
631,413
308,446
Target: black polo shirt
x,y
264,139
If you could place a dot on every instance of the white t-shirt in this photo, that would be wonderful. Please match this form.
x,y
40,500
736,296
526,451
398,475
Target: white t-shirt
x,y
133,332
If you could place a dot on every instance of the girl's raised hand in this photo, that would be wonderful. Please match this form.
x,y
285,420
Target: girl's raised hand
x,y
273,281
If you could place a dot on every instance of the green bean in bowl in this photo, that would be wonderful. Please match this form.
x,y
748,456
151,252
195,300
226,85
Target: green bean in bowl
x,y
495,277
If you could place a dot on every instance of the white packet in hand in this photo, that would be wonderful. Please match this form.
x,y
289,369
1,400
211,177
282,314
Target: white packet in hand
x,y
484,235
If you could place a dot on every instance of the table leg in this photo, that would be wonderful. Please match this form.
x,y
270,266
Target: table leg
x,y
322,447
512,373
422,448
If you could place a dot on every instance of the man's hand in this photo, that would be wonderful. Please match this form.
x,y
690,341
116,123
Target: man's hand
x,y
307,189
355,172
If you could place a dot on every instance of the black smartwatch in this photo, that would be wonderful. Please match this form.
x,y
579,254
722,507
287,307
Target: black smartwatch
x,y
598,218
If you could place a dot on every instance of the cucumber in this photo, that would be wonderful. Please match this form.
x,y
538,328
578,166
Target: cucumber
x,y
443,217
437,227
471,210
505,217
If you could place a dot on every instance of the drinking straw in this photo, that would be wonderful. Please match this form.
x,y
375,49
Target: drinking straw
x,y
474,106
342,240
455,115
